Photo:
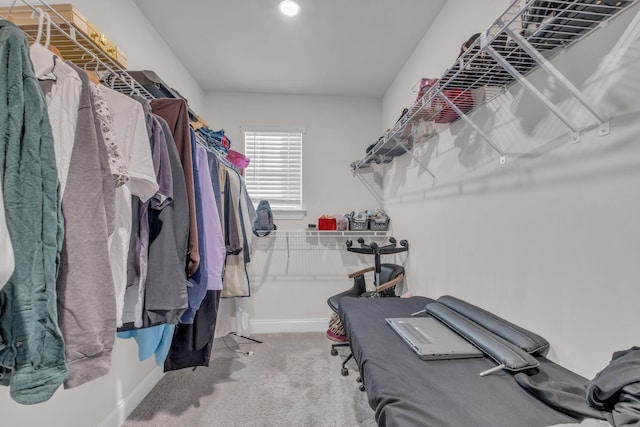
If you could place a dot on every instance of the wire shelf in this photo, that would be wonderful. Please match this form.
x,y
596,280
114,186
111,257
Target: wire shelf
x,y
524,37
73,44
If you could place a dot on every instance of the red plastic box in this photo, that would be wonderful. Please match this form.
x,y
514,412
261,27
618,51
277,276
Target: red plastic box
x,y
326,223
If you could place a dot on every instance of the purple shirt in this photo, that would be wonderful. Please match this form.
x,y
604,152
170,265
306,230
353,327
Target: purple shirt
x,y
216,251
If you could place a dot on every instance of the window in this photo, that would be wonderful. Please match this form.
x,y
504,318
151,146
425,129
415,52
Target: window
x,y
275,170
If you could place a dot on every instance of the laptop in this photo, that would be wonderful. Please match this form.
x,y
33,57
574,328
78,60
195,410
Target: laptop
x,y
430,339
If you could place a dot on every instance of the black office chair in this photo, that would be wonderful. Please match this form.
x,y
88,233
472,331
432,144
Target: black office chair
x,y
386,278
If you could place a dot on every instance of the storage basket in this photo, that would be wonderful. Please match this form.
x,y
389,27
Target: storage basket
x,y
379,224
342,223
358,225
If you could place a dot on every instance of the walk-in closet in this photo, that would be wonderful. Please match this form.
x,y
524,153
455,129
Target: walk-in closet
x,y
318,213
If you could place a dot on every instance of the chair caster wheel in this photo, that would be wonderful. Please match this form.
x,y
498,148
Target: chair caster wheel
x,y
344,372
359,380
334,352
362,388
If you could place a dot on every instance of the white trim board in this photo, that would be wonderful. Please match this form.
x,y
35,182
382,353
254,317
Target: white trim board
x,y
288,325
126,407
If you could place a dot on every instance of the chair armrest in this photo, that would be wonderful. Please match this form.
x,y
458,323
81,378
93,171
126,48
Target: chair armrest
x,y
361,272
390,283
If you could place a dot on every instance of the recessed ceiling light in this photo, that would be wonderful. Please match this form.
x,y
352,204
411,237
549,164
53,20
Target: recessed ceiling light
x,y
289,7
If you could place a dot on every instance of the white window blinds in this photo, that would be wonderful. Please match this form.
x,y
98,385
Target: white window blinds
x,y
275,170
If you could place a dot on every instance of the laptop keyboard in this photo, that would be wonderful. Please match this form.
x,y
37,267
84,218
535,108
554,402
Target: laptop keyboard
x,y
417,336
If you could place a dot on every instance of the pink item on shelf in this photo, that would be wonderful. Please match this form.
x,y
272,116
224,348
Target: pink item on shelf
x,y
238,159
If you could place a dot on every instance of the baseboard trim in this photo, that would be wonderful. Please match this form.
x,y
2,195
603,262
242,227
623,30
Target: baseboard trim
x,y
126,407
288,325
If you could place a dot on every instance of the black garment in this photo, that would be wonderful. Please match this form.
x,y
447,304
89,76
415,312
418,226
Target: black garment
x,y
617,388
560,390
192,344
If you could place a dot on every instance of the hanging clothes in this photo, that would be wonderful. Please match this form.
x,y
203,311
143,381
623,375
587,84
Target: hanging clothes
x,y
198,279
131,137
61,86
175,113
165,295
212,249
117,164
137,265
236,278
214,170
251,213
216,251
86,296
155,340
192,344
7,262
230,226
246,219
32,359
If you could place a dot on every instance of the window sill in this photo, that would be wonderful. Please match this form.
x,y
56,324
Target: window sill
x,y
289,214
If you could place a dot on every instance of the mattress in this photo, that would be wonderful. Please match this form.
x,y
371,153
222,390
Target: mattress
x,y
406,391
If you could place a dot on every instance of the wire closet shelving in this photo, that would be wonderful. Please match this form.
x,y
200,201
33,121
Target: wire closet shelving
x,y
524,38
42,22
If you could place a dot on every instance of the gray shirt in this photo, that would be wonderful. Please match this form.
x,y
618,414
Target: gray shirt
x,y
86,295
166,285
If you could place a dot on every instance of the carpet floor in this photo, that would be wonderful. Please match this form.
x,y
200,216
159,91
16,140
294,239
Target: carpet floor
x,y
290,380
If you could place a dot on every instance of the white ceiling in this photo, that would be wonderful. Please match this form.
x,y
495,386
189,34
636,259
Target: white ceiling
x,y
334,47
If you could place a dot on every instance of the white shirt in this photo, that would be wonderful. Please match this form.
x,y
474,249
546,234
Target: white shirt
x,y
130,131
6,250
62,104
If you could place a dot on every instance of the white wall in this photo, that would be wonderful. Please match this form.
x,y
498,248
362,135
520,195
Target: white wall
x,y
337,131
88,405
551,239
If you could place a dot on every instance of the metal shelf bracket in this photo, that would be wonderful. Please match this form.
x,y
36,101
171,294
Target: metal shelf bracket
x,y
471,123
414,157
545,64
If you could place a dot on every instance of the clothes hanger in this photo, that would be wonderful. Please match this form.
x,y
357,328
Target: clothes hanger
x,y
40,24
111,80
47,42
93,74
10,17
134,89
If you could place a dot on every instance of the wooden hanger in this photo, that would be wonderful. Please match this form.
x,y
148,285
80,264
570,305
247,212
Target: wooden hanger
x,y
93,76
56,51
10,17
